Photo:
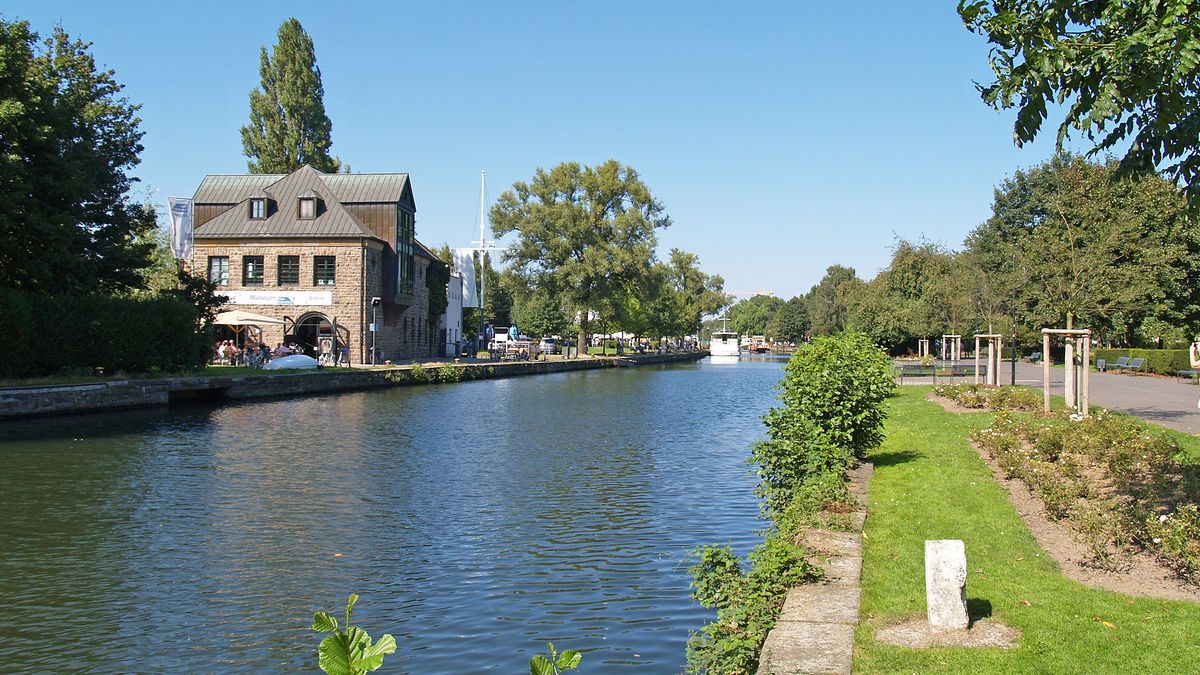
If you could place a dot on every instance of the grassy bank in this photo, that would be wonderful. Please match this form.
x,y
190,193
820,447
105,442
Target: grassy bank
x,y
930,484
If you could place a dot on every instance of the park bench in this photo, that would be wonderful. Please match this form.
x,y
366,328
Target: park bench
x,y
1034,357
1137,364
1191,372
915,370
1122,362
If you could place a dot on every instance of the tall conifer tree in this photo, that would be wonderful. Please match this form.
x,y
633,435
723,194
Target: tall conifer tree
x,y
288,125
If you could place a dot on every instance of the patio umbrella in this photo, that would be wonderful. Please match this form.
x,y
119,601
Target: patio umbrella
x,y
238,319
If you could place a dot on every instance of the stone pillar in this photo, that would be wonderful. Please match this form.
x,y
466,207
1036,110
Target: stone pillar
x,y
946,584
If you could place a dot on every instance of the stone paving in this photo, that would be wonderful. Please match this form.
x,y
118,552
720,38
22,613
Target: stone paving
x,y
815,630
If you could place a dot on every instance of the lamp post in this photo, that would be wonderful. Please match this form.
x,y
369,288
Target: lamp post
x,y
374,327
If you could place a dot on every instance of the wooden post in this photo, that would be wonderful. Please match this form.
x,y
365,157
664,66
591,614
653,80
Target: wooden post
x,y
1087,357
976,359
1068,372
990,354
999,358
1045,372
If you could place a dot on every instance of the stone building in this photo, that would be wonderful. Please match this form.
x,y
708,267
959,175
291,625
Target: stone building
x,y
328,254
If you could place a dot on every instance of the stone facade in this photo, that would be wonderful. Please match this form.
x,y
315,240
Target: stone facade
x,y
360,236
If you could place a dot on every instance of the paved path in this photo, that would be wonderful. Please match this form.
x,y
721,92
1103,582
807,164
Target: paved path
x,y
1170,402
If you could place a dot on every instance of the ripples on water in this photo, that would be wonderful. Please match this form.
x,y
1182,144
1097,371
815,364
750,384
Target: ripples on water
x,y
476,520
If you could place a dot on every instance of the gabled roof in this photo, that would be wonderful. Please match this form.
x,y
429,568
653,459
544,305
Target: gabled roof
x,y
233,189
333,221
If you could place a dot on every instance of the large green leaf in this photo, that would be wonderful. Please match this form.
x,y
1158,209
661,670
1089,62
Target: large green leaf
x,y
540,665
569,660
334,656
324,623
372,655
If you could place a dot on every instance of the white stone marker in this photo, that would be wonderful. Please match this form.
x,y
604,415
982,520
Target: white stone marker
x,y
946,583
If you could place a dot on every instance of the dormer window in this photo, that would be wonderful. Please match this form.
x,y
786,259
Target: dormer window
x,y
308,208
258,208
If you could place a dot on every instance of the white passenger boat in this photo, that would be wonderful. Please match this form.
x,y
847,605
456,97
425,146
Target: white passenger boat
x,y
724,342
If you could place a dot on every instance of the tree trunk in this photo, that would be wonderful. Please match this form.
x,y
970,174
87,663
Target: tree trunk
x,y
582,346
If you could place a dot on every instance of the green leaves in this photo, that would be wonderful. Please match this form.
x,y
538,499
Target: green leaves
x,y
323,623
540,665
349,652
1131,68
288,125
556,663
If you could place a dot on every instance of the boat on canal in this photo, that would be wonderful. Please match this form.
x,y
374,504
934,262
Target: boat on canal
x,y
724,342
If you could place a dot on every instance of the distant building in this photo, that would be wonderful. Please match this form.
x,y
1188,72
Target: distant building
x,y
450,325
313,249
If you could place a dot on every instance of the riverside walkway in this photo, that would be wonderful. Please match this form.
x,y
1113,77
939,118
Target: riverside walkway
x,y
1168,401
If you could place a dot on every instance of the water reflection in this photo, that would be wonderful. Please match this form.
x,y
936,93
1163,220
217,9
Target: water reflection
x,y
477,520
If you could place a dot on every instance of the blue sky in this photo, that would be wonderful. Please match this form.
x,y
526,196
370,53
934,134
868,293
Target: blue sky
x,y
782,137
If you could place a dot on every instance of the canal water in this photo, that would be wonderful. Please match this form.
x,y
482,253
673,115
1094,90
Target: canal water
x,y
477,521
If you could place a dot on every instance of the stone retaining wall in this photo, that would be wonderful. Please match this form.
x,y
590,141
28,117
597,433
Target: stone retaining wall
x,y
815,630
22,402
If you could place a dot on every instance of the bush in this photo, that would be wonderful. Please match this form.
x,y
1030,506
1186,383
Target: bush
x,y
73,333
1161,361
833,392
1116,482
993,398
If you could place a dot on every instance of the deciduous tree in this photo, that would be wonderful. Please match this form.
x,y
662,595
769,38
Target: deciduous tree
x,y
584,234
1126,72
68,139
288,126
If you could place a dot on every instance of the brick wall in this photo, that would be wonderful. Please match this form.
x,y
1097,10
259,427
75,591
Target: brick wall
x,y
404,331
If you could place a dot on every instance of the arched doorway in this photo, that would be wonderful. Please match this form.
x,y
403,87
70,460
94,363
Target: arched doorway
x,y
309,331
314,333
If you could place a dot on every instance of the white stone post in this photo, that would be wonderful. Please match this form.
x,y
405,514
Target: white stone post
x,y
946,584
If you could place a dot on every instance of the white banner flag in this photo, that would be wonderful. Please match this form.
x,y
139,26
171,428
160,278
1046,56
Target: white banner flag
x,y
180,210
464,264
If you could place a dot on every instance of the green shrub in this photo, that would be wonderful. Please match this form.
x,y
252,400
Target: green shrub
x,y
449,373
72,333
833,392
1115,481
1161,361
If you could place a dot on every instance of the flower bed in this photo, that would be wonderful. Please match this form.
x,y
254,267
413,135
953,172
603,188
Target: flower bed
x,y
992,398
1120,486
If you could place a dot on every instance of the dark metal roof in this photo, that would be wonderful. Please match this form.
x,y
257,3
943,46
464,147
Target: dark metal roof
x,y
360,188
349,188
232,189
332,222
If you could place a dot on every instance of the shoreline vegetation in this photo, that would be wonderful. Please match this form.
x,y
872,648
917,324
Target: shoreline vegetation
x,y
833,392
930,483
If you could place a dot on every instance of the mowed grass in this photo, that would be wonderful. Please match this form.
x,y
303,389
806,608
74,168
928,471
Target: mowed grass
x,y
930,484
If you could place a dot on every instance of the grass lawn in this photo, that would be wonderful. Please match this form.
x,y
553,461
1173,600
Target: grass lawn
x,y
930,484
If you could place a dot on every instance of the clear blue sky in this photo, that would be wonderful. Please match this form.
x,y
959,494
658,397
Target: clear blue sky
x,y
782,137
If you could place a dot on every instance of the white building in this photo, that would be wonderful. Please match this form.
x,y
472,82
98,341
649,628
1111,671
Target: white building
x,y
451,322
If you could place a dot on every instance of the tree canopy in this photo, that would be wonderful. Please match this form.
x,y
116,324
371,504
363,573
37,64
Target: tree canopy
x,y
1090,246
288,126
68,139
1126,71
584,234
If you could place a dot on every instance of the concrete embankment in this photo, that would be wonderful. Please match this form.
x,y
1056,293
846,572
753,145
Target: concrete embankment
x,y
23,402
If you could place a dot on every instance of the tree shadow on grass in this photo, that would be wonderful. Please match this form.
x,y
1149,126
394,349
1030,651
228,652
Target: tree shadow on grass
x,y
978,608
893,458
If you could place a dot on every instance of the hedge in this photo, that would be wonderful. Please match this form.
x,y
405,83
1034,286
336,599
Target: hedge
x,y
71,333
1162,361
